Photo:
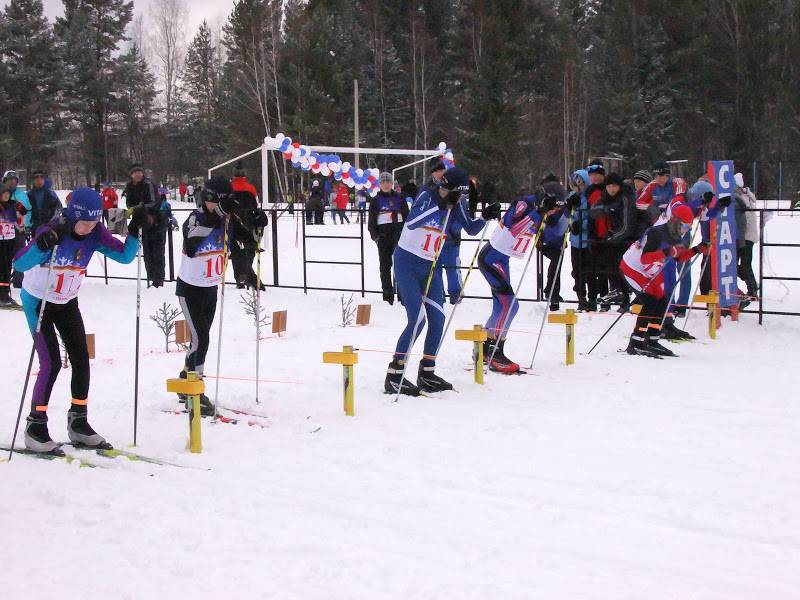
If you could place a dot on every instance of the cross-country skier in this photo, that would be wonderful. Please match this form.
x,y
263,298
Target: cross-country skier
x,y
419,244
513,237
203,268
77,233
643,265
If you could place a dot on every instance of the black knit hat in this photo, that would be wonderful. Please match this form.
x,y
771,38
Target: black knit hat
x,y
135,167
437,165
613,179
238,170
38,173
661,168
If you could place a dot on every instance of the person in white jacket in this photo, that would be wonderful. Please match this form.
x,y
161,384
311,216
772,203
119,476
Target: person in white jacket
x,y
745,205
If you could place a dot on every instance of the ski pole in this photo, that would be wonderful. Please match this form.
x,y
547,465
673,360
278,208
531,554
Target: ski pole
x,y
516,294
36,332
552,288
221,310
437,252
463,287
136,342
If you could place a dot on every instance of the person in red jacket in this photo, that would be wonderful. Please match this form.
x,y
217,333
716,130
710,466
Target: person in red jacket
x,y
248,213
596,277
182,190
110,199
341,201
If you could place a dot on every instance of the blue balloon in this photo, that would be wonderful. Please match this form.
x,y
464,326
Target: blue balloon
x,y
337,176
296,165
306,168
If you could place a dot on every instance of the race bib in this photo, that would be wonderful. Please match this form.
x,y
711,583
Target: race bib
x,y
203,270
7,231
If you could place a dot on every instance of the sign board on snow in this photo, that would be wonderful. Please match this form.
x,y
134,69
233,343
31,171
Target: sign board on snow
x,y
721,172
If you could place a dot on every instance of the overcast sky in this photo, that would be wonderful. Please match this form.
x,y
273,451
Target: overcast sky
x,y
211,10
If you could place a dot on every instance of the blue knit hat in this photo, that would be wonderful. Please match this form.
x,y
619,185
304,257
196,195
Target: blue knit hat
x,y
85,205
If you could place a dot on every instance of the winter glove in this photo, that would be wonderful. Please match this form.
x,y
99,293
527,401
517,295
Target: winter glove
x,y
227,204
725,202
173,223
20,208
576,227
702,248
138,218
708,197
260,219
47,240
491,211
574,200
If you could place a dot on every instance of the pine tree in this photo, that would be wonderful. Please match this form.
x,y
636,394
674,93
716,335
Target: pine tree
x,y
88,35
134,104
31,73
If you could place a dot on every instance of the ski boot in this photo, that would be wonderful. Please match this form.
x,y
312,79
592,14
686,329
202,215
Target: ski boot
x,y
81,433
207,408
500,362
656,348
395,382
637,346
583,305
388,296
37,438
670,332
555,303
428,381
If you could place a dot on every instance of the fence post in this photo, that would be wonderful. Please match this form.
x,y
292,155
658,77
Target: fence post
x,y
171,255
761,267
780,182
305,275
275,261
361,242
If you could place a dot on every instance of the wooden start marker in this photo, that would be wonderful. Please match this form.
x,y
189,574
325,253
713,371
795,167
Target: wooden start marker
x,y
182,333
477,335
711,300
279,321
192,387
348,359
569,319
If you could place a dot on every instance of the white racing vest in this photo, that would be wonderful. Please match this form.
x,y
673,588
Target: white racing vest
x,y
426,240
503,240
206,267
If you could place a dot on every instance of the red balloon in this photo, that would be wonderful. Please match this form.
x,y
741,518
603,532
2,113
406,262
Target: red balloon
x,y
287,155
372,179
345,175
296,144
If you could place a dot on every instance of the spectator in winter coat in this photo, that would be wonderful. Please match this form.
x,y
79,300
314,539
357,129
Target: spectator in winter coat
x,y
640,180
18,195
141,192
617,206
579,238
44,204
315,205
747,234
182,190
11,221
253,220
551,243
595,271
388,212
110,199
341,200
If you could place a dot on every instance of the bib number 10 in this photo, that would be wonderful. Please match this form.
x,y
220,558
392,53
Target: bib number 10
x,y
437,242
214,266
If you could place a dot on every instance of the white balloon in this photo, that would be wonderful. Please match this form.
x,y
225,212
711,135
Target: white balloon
x,y
335,167
280,137
442,146
325,170
346,166
375,172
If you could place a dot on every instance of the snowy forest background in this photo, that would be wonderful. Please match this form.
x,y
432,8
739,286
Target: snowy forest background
x,y
516,87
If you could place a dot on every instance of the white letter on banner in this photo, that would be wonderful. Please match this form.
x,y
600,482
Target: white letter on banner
x,y
725,236
722,178
727,282
726,259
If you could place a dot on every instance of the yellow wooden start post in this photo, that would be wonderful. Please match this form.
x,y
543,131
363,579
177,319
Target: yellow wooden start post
x,y
477,335
711,300
192,387
348,359
569,319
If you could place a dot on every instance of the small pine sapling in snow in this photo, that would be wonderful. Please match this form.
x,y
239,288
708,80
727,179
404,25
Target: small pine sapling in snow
x,y
165,318
348,311
252,308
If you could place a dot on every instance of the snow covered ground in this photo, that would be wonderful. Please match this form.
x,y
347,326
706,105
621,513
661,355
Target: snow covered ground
x,y
618,477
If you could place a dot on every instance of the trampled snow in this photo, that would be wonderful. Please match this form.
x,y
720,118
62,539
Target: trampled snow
x,y
618,477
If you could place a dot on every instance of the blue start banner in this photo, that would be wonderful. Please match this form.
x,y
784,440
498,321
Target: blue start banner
x,y
721,172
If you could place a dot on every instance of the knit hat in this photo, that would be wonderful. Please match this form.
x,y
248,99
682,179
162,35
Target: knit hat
x,y
217,187
455,179
661,168
385,177
596,167
238,170
38,173
135,167
85,205
643,175
613,179
683,213
10,174
437,165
